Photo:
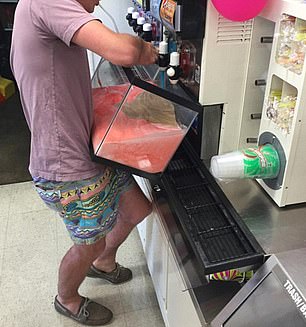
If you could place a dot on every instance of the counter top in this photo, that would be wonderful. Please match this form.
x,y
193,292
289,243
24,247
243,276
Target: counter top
x,y
276,229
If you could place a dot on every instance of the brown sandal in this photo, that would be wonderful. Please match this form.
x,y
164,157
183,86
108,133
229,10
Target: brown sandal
x,y
118,276
90,313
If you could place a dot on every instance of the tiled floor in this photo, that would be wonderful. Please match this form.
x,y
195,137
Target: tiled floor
x,y
32,242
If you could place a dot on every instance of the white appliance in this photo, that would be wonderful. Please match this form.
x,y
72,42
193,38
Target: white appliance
x,y
234,66
243,67
288,128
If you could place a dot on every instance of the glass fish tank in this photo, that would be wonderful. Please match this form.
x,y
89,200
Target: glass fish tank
x,y
137,124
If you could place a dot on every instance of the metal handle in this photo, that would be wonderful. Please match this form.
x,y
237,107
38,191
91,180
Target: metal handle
x,y
266,39
251,140
256,116
260,82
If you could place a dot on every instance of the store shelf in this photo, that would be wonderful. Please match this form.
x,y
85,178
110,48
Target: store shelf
x,y
292,78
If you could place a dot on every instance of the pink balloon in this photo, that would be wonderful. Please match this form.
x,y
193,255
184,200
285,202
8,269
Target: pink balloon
x,y
239,10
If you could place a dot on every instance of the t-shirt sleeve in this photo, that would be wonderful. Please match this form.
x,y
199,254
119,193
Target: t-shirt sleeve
x,y
60,18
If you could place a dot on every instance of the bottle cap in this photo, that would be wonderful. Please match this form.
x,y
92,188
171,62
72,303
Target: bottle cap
x,y
170,72
163,47
130,10
135,15
174,59
147,27
141,20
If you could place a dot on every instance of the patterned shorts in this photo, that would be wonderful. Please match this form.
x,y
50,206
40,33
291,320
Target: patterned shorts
x,y
89,207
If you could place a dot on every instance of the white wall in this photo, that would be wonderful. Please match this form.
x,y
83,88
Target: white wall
x,y
118,10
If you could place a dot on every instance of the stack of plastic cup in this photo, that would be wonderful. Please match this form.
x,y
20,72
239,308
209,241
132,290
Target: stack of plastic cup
x,y
258,162
228,165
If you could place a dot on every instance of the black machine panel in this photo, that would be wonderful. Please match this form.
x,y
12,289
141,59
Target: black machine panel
x,y
215,231
184,17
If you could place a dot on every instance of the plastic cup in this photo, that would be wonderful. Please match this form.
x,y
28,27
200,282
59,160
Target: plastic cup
x,y
258,162
228,165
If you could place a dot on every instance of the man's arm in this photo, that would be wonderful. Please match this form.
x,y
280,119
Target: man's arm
x,y
120,49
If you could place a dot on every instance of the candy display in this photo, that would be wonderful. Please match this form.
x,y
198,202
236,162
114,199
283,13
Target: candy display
x,y
281,110
291,43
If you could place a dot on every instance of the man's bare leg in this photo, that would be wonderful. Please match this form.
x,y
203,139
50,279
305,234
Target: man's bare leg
x,y
73,269
133,208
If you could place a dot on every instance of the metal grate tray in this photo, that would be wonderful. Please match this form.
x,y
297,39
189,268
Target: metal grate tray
x,y
216,232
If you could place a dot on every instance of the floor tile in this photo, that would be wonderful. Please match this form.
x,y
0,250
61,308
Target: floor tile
x,y
150,317
131,251
30,227
28,285
104,293
30,305
1,265
139,293
3,229
5,198
24,198
27,263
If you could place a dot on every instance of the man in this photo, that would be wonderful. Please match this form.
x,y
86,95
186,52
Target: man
x,y
99,205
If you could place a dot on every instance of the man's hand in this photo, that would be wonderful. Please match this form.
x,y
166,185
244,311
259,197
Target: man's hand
x,y
148,53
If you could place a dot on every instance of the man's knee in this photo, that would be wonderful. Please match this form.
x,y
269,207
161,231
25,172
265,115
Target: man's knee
x,y
91,250
136,217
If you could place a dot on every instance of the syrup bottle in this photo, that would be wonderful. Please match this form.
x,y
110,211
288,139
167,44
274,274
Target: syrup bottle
x,y
147,32
133,21
139,27
174,71
128,17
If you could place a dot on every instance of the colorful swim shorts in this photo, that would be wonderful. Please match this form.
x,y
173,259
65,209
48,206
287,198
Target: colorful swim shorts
x,y
89,207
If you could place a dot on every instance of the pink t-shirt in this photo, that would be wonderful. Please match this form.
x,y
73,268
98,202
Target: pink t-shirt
x,y
55,88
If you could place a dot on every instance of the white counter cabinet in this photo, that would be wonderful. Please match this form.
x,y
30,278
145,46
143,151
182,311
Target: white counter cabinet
x,y
180,308
174,298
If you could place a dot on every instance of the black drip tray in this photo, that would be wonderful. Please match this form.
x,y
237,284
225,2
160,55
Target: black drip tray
x,y
215,231
195,196
208,218
224,244
184,173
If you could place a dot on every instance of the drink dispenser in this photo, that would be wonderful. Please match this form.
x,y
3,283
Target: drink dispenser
x,y
183,30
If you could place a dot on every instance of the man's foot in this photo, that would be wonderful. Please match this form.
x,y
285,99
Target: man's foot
x,y
118,276
90,313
